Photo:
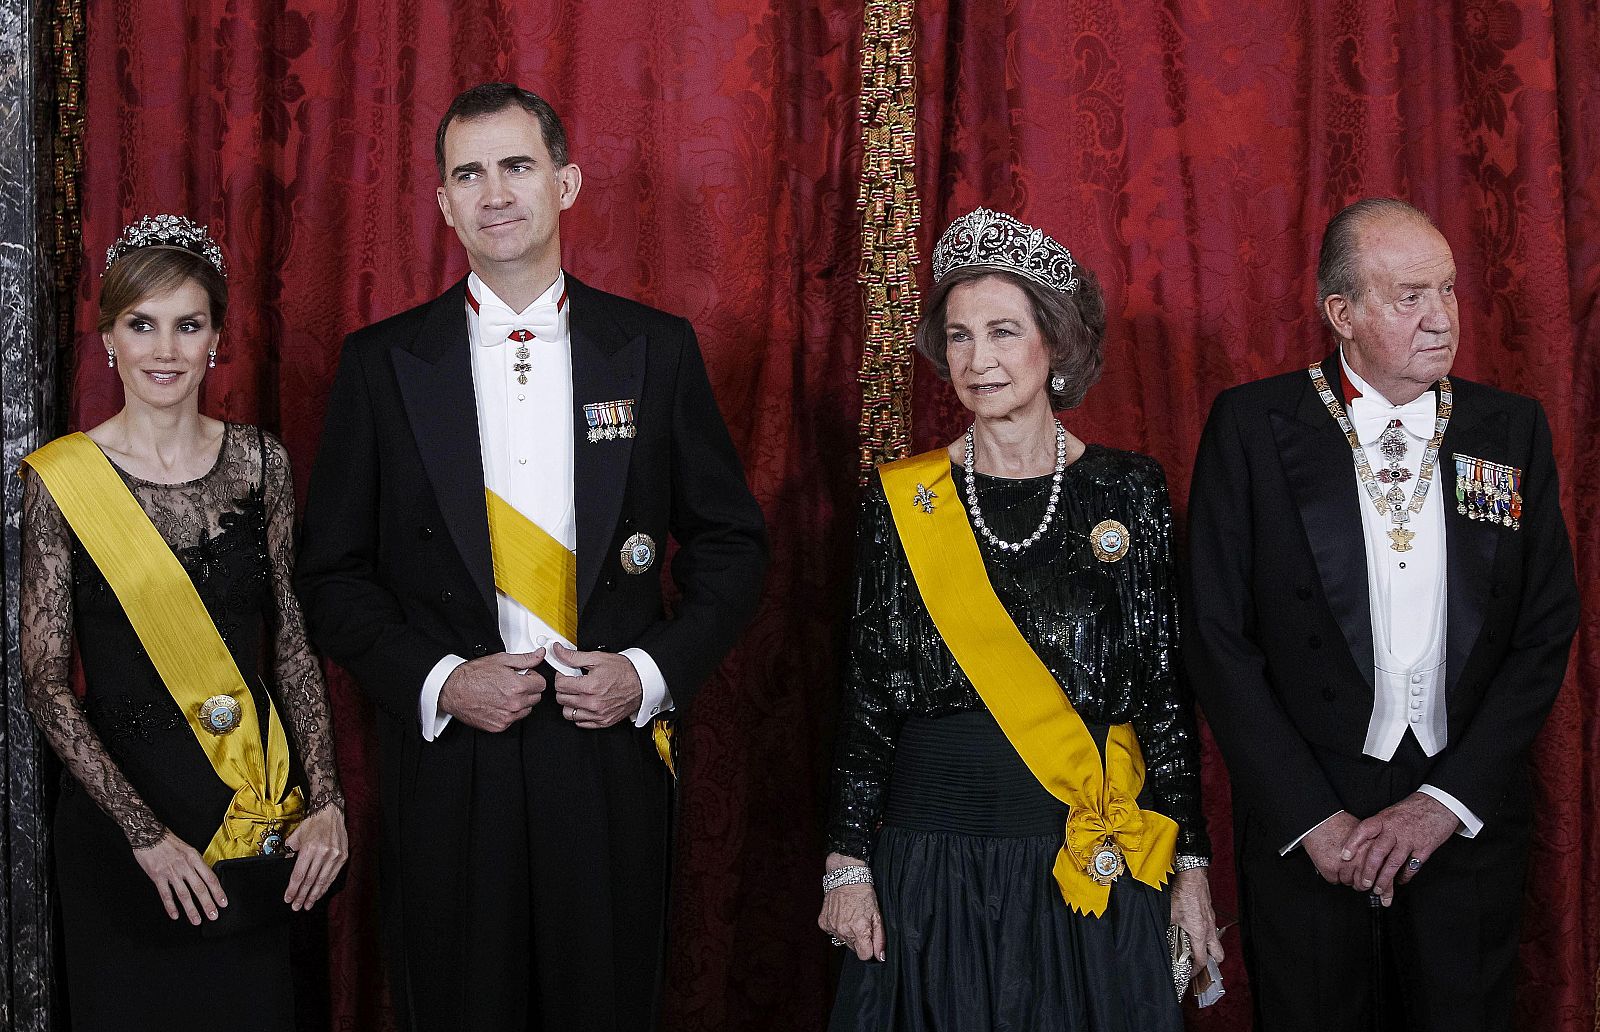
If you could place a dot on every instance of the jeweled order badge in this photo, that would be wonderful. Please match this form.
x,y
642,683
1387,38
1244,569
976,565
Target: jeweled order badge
x,y
1109,540
220,714
638,553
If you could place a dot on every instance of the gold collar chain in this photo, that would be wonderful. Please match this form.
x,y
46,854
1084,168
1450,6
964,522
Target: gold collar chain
x,y
1399,515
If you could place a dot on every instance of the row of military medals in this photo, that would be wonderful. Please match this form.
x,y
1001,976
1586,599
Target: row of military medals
x,y
1489,491
1392,446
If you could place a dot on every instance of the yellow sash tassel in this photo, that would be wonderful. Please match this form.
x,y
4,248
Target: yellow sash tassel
x,y
661,732
182,641
541,574
1016,686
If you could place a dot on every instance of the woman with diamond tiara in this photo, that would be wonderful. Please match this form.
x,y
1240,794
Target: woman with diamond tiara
x,y
1016,810
158,545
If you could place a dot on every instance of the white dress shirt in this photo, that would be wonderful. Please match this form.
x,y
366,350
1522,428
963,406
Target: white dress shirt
x,y
526,432
1406,599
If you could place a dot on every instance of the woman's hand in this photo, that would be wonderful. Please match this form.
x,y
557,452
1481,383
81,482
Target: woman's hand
x,y
182,878
320,849
850,912
1191,911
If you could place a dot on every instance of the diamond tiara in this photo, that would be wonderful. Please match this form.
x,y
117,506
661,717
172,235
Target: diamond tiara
x,y
996,240
167,231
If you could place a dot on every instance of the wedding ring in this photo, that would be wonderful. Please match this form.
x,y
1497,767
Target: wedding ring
x,y
835,940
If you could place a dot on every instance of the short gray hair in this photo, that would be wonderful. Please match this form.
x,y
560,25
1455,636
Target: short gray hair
x,y
1073,327
1339,264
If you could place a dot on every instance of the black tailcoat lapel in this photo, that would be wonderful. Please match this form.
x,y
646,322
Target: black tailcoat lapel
x,y
607,365
1470,545
434,373
1317,465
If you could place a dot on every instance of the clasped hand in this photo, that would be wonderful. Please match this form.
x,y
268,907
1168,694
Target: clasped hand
x,y
1370,855
494,692
185,882
605,692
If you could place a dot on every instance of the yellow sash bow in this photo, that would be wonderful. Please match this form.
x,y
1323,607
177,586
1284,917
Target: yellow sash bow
x,y
541,574
1027,703
182,641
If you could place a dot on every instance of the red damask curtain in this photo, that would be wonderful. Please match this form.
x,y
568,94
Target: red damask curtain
x,y
716,142
1189,153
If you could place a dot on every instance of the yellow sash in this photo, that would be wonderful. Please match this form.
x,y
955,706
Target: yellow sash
x,y
541,574
172,623
1018,689
533,567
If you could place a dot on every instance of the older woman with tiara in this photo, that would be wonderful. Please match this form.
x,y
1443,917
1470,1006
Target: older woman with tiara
x,y
199,805
1016,816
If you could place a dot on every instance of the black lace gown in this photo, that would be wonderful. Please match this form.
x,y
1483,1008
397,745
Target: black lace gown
x,y
960,835
134,767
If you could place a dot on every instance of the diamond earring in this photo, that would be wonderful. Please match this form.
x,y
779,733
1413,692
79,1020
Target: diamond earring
x,y
1058,383
111,358
211,359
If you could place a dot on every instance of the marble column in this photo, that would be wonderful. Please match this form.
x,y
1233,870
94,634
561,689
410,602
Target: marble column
x,y
27,395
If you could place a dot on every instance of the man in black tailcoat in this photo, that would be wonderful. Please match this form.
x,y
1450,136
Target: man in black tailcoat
x,y
1382,606
525,809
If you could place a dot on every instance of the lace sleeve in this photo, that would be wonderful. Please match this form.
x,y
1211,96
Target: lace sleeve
x,y
46,611
299,678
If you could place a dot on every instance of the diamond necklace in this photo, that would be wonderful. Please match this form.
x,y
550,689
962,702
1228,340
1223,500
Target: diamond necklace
x,y
1014,547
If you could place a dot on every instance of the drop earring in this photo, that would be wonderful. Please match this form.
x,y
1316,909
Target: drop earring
x,y
211,359
111,358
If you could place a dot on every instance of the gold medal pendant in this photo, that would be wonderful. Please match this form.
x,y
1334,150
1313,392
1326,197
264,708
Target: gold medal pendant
x,y
1107,864
1401,538
1109,540
272,840
638,553
220,714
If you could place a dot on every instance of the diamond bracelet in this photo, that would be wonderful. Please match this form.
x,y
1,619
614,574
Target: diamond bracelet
x,y
846,876
1185,862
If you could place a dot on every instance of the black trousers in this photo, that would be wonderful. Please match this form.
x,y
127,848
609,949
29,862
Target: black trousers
x,y
1448,943
548,913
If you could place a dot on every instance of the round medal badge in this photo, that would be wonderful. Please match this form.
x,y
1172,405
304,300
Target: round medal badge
x,y
1109,540
220,714
1106,865
638,553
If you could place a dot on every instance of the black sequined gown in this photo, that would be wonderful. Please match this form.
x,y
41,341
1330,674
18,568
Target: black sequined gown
x,y
960,835
134,767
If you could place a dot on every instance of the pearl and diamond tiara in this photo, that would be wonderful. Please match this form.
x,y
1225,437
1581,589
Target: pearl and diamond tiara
x,y
167,231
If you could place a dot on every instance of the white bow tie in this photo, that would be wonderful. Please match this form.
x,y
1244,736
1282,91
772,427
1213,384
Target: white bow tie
x,y
497,324
1371,416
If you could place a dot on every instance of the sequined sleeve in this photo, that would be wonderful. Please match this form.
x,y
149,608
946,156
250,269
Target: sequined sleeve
x,y
1164,723
299,678
877,669
46,616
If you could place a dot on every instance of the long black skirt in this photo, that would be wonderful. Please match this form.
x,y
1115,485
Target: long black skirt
x,y
978,936
130,967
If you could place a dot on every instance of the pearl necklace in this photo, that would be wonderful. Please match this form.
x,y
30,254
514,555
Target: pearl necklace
x,y
1014,547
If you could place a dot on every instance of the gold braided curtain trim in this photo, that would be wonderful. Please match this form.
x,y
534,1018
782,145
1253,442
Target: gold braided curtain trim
x,y
890,215
64,214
